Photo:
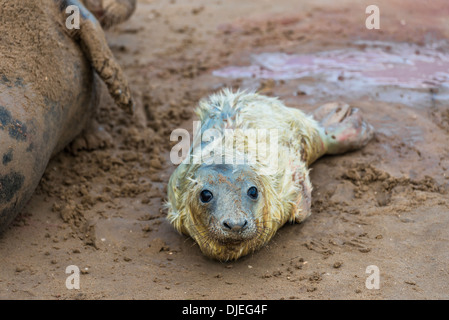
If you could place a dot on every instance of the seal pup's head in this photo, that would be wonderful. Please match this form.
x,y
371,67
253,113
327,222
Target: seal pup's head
x,y
227,200
225,209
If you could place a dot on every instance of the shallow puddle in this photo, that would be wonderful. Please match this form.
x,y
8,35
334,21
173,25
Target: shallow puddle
x,y
392,72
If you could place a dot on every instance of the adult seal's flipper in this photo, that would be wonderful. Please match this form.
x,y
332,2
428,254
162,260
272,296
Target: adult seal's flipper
x,y
111,12
93,42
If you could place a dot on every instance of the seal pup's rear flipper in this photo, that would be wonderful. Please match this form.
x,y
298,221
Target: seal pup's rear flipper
x,y
94,44
342,127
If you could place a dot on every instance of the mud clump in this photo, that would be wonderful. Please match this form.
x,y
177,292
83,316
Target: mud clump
x,y
70,213
362,175
440,118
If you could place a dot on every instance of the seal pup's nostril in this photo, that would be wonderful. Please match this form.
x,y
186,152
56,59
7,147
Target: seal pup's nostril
x,y
235,225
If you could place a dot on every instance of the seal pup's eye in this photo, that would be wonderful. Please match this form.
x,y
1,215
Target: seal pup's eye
x,y
253,193
206,196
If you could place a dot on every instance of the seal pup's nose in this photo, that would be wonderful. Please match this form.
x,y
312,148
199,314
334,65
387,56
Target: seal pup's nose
x,y
235,225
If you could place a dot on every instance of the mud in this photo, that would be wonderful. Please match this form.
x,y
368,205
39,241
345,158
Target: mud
x,y
386,205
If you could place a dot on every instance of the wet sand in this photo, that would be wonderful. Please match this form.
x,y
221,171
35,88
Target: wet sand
x,y
386,205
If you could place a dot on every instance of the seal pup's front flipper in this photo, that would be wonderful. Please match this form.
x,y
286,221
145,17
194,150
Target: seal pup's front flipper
x,y
94,44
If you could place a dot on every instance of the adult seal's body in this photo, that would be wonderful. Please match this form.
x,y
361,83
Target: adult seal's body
x,y
49,78
234,206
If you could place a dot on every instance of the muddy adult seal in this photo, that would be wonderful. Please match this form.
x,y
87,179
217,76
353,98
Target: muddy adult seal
x,y
49,77
231,198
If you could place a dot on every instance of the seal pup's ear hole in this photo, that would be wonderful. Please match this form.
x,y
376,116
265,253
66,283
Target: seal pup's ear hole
x,y
206,196
253,193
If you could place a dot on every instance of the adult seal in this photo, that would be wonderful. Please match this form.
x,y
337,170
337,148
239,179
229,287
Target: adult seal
x,y
231,198
49,85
